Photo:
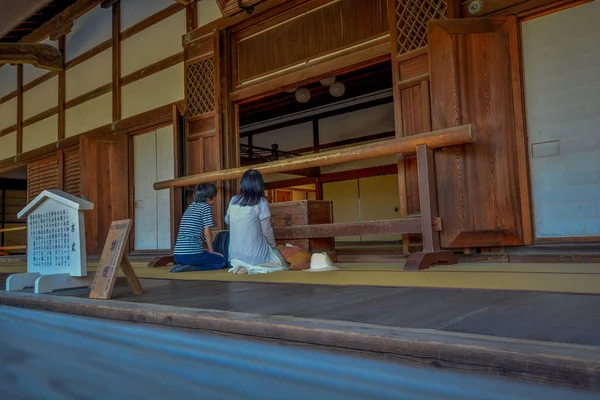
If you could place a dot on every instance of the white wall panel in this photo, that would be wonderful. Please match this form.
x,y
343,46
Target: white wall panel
x,y
8,79
90,30
208,11
562,87
40,134
89,75
134,11
8,113
8,145
30,72
156,90
89,115
153,44
40,98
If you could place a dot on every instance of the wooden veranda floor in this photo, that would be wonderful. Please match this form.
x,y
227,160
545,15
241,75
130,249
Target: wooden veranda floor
x,y
529,335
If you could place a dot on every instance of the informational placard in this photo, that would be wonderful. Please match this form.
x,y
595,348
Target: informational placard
x,y
53,237
56,234
111,260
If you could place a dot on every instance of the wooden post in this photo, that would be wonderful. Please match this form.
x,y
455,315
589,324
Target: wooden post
x,y
432,254
19,108
116,51
403,202
62,89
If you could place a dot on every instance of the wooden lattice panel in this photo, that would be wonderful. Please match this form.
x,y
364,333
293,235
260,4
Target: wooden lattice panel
x,y
42,175
411,23
201,87
72,172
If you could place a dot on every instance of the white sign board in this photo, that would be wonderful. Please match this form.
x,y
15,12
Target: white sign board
x,y
56,234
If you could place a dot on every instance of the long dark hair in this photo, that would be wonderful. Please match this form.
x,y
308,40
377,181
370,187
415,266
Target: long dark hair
x,y
252,189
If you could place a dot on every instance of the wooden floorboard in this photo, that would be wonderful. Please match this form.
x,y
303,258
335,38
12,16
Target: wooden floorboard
x,y
565,318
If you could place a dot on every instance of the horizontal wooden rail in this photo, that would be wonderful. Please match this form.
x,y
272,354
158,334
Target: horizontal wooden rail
x,y
20,228
13,247
436,139
364,228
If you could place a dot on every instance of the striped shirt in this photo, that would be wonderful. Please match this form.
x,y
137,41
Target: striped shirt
x,y
191,239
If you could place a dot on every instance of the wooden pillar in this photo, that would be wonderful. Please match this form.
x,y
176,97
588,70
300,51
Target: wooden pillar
x,y
191,16
432,253
19,108
116,53
403,203
402,190
428,197
61,89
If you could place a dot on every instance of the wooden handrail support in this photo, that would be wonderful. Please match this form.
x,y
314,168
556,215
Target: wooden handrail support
x,y
13,247
421,144
20,228
407,145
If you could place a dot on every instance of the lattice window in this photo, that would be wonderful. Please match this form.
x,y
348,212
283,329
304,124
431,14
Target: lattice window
x,y
412,17
72,172
42,175
201,87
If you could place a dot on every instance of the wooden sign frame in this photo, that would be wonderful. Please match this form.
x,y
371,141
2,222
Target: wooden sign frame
x,y
113,257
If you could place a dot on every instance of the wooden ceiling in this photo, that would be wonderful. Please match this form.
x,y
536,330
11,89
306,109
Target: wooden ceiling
x,y
20,18
358,83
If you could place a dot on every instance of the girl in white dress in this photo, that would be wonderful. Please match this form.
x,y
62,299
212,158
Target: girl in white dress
x,y
252,247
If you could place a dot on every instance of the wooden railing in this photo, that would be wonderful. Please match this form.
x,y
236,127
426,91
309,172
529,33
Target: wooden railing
x,y
6,248
428,225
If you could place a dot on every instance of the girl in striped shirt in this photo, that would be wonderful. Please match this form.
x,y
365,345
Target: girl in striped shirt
x,y
195,232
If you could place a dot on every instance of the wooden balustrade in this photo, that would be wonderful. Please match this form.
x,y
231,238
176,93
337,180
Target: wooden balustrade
x,y
436,139
428,224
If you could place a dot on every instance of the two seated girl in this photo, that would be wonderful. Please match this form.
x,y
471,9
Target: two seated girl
x,y
252,247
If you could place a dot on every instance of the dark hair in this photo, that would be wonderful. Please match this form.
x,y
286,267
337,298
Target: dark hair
x,y
204,192
252,189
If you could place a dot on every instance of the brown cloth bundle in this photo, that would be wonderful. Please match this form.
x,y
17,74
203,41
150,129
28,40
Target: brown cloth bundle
x,y
297,257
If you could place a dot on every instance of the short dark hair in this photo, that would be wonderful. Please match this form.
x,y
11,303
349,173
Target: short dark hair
x,y
204,192
252,189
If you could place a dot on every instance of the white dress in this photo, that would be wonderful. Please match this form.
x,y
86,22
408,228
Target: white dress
x,y
251,239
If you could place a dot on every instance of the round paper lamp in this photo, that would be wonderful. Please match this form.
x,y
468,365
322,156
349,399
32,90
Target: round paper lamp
x,y
337,89
302,95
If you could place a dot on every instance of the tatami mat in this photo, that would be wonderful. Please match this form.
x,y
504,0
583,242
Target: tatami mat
x,y
562,278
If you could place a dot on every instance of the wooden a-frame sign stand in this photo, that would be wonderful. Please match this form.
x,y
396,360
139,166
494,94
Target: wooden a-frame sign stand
x,y
113,257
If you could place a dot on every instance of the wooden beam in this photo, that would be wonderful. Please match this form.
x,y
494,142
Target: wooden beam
x,y
436,139
62,30
72,12
41,55
116,65
19,109
151,20
365,228
363,55
152,68
89,54
38,81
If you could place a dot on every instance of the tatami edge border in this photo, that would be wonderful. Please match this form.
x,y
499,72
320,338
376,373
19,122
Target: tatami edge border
x,y
561,364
